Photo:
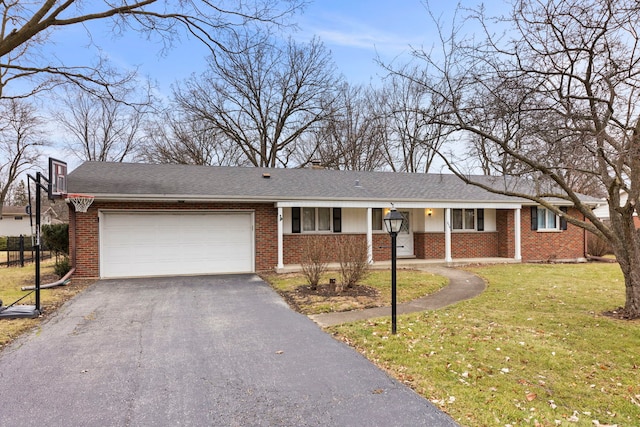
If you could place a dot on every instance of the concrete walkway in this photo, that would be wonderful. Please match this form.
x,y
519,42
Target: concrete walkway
x,y
462,286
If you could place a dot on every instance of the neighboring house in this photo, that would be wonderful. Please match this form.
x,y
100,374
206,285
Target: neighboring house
x,y
151,220
602,211
50,217
15,221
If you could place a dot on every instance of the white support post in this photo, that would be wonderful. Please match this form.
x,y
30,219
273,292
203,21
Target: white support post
x,y
517,235
280,239
369,236
447,235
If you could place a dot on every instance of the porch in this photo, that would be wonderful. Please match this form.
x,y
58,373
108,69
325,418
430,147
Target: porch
x,y
414,263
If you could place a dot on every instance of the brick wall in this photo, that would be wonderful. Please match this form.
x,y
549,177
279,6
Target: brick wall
x,y
429,245
84,243
474,245
554,245
294,245
505,226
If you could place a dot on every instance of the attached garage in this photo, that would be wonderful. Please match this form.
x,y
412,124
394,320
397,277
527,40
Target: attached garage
x,y
144,243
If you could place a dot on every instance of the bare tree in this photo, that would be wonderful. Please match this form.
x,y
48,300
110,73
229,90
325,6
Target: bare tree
x,y
101,128
562,81
413,140
353,136
263,96
21,136
179,138
26,27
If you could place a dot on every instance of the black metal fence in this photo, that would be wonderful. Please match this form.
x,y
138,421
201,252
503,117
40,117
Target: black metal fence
x,y
15,251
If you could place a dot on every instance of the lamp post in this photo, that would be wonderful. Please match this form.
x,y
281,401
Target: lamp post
x,y
393,221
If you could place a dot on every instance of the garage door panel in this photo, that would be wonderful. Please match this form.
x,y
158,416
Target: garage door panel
x,y
151,244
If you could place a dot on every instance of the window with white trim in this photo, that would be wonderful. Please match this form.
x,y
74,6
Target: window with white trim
x,y
547,219
463,219
543,219
316,219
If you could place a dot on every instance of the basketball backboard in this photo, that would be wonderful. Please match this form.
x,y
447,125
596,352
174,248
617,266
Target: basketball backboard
x,y
57,178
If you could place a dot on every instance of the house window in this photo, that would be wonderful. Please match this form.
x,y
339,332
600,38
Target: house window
x,y
324,219
316,219
18,218
547,220
376,219
464,219
467,219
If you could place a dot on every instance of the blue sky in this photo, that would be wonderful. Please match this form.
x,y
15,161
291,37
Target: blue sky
x,y
356,32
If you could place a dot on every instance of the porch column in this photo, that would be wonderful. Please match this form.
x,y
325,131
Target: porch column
x,y
280,238
447,235
369,236
517,237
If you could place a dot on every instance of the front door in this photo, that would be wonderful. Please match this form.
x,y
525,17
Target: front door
x,y
405,237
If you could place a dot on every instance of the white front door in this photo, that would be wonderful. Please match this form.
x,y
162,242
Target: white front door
x,y
405,237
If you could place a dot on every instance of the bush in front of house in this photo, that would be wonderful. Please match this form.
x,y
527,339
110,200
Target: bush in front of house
x,y
62,266
314,260
596,246
353,255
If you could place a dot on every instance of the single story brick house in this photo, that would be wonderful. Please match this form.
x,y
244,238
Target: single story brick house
x,y
149,219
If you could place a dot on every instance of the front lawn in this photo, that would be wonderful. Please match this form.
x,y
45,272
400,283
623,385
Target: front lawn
x,y
373,291
533,349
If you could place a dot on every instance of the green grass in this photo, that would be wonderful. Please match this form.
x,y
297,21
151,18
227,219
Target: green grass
x,y
410,285
533,349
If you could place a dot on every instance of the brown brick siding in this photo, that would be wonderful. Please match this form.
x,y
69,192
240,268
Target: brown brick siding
x,y
505,223
294,245
549,246
429,245
84,244
474,245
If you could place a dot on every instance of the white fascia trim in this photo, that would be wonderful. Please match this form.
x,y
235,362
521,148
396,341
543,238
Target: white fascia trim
x,y
190,198
187,198
397,205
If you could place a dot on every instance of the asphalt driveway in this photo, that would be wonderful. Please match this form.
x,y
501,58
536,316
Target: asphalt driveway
x,y
195,351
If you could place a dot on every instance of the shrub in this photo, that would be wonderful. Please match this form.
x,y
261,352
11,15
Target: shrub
x,y
56,239
62,266
314,260
354,259
597,246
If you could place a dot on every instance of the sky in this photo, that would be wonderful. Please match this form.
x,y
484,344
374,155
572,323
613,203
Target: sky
x,y
355,31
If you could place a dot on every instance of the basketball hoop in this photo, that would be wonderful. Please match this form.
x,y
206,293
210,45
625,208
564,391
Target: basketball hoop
x,y
80,201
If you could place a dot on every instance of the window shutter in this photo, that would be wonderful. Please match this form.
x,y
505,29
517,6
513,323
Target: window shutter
x,y
337,220
534,217
480,220
563,219
295,220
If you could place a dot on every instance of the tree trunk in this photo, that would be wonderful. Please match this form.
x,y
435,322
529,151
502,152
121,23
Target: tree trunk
x,y
631,271
627,251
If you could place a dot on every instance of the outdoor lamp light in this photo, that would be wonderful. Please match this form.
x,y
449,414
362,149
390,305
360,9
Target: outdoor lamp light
x,y
393,221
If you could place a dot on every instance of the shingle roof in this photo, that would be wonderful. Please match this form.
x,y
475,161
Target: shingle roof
x,y
109,180
14,210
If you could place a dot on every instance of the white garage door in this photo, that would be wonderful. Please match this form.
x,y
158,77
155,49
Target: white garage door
x,y
168,243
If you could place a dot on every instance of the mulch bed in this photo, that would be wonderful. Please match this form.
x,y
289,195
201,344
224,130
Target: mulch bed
x,y
356,297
